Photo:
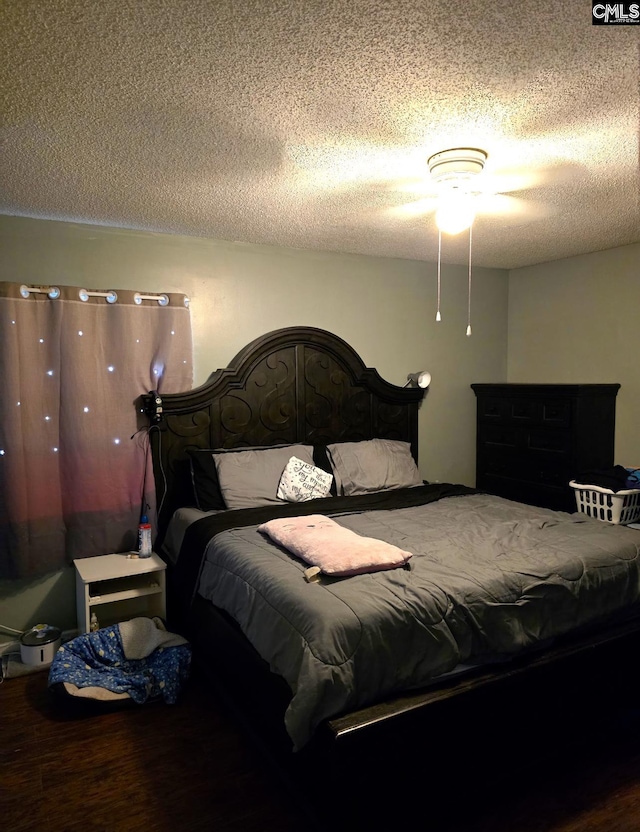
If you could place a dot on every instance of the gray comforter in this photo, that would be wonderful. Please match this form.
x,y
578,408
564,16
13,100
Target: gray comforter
x,y
488,578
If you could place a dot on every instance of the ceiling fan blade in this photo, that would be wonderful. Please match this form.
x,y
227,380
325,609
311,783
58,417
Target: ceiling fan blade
x,y
507,207
502,182
519,179
330,167
415,208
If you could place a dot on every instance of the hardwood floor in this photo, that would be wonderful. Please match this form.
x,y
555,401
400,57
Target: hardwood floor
x,y
150,768
190,767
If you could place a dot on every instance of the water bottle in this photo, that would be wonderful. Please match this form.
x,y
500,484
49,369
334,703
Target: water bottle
x,y
144,537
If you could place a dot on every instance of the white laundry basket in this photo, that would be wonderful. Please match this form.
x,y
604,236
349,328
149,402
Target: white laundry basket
x,y
620,507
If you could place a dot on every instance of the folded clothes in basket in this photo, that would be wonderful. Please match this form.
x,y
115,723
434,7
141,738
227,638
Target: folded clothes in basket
x,y
633,480
617,478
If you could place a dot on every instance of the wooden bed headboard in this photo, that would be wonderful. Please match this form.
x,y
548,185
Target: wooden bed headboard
x,y
298,384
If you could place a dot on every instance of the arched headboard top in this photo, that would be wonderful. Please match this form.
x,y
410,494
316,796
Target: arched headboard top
x,y
292,385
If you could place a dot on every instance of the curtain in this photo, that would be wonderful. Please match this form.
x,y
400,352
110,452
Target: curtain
x,y
75,471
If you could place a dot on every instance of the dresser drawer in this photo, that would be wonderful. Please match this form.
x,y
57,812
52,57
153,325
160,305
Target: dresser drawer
x,y
496,410
526,439
549,441
538,494
501,436
556,413
492,409
542,467
524,411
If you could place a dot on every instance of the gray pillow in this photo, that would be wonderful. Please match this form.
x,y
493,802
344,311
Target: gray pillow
x,y
250,478
373,465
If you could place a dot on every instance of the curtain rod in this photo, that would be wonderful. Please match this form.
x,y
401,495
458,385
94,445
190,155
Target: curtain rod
x,y
111,297
84,295
52,291
163,300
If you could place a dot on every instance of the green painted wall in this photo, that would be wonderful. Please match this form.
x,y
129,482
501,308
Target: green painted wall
x,y
576,321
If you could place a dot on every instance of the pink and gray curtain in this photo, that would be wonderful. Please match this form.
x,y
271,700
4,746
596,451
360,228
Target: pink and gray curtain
x,y
75,472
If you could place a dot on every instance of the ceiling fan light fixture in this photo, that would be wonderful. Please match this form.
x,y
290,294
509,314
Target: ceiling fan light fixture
x,y
454,171
457,165
456,212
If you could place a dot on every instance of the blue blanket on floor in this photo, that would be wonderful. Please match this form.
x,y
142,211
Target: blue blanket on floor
x,y
98,660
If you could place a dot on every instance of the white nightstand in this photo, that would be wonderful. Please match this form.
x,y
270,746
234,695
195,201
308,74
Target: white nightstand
x,y
117,588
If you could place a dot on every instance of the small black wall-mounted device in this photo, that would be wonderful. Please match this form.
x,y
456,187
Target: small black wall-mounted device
x,y
153,407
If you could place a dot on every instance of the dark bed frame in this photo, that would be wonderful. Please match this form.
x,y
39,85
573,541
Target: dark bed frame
x,y
298,384
303,384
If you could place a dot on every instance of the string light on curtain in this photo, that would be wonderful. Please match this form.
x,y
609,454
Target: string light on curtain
x,y
454,172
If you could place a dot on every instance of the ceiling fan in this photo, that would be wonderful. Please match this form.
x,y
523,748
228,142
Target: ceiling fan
x,y
456,189
459,188
454,172
367,179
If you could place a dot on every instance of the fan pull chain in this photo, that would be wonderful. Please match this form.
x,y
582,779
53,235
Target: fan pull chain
x,y
438,316
469,295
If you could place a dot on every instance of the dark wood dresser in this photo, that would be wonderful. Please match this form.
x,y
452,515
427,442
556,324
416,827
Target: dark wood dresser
x,y
533,438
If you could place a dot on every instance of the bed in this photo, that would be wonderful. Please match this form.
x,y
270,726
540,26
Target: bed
x,y
495,594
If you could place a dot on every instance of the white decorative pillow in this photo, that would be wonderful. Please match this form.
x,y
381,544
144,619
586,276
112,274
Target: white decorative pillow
x,y
301,481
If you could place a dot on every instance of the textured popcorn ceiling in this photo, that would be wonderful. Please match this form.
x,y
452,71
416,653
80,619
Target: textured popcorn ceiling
x,y
308,123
